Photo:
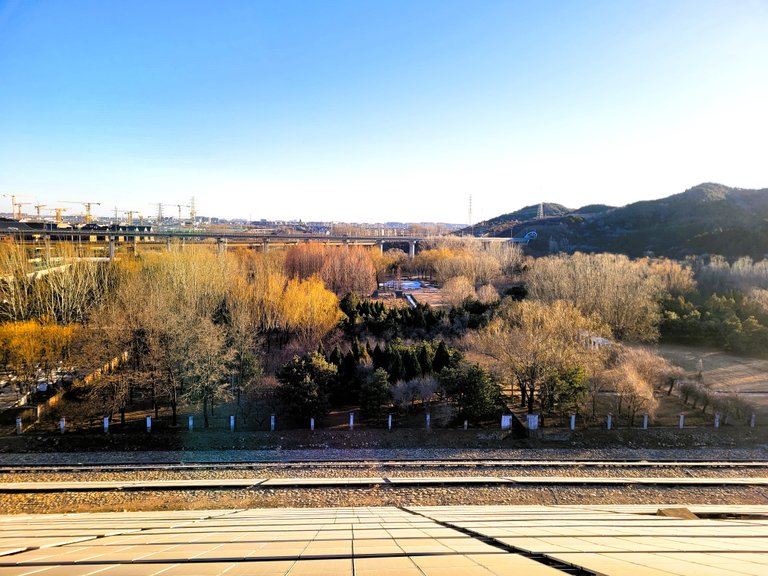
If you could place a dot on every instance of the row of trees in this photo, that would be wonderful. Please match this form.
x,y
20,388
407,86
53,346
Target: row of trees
x,y
310,385
730,321
447,257
366,318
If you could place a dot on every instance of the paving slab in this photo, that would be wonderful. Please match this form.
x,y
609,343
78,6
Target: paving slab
x,y
435,540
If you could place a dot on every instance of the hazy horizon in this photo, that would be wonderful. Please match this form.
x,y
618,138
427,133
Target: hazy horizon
x,y
375,112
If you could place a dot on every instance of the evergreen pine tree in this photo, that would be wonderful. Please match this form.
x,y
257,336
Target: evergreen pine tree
x,y
336,355
379,357
442,357
395,365
425,358
411,365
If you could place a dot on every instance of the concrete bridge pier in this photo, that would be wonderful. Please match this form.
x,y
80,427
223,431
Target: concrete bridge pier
x,y
111,248
412,249
221,246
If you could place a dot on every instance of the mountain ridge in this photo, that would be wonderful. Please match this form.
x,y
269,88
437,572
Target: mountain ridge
x,y
709,218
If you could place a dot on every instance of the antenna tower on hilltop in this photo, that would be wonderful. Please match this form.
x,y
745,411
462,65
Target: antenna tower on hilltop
x,y
472,231
540,213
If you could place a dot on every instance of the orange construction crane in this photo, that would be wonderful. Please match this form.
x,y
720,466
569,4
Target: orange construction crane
x,y
58,214
87,208
37,209
19,205
130,214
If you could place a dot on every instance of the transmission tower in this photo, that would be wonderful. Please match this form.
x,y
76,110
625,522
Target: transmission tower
x,y
471,228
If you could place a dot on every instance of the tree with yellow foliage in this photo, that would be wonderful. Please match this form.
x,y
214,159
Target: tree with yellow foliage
x,y
309,309
31,349
343,269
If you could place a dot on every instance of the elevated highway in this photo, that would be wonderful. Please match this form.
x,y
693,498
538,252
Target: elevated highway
x,y
110,239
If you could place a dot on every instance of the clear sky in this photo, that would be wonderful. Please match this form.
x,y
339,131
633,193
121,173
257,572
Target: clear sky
x,y
376,110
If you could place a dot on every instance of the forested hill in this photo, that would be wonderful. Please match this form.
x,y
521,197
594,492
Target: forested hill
x,y
706,219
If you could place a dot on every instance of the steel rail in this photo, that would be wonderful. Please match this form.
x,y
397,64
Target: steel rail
x,y
360,464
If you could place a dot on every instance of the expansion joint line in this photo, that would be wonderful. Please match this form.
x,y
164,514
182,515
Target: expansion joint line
x,y
540,558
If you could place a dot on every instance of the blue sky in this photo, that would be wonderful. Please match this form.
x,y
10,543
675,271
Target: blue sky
x,y
378,110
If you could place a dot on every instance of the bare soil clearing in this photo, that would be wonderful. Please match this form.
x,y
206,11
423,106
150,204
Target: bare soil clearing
x,y
723,372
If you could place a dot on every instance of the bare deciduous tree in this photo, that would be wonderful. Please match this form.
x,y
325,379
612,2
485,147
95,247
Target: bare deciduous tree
x,y
624,294
534,341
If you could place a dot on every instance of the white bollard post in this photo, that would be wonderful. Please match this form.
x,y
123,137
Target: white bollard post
x,y
645,421
351,420
312,424
18,425
231,423
106,424
752,421
191,423
429,418
717,420
610,418
682,421
389,422
272,423
149,424
573,422
465,424
62,425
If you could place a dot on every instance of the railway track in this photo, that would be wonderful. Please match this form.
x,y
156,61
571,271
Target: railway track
x,y
379,482
388,464
95,486
484,464
387,474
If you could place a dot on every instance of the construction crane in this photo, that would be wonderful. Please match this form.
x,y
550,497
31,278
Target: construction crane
x,y
15,204
87,208
37,209
130,214
19,205
58,214
180,206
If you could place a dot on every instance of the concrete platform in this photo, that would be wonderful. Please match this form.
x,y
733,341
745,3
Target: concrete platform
x,y
440,540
